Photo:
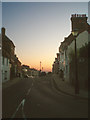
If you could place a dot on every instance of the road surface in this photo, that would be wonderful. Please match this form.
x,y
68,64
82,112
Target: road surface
x,y
37,98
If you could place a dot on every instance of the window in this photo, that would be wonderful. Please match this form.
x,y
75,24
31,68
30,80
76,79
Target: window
x,y
5,75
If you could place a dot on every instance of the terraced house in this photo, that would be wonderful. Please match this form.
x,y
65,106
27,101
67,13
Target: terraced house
x,y
8,58
67,51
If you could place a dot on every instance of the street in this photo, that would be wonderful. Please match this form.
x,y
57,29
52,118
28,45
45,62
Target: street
x,y
37,98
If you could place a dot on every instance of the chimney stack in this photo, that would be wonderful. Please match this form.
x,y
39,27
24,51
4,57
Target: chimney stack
x,y
3,31
79,21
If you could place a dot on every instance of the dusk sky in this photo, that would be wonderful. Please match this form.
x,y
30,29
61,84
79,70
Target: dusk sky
x,y
37,29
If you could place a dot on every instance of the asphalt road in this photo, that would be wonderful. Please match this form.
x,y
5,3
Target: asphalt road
x,y
37,98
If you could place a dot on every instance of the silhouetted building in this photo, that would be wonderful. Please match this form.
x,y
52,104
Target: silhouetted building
x,y
55,66
10,63
18,71
8,51
25,70
34,72
79,22
67,50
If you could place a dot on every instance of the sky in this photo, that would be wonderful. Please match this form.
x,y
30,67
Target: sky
x,y
38,28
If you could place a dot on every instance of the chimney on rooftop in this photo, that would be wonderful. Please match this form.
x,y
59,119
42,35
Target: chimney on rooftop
x,y
3,31
79,21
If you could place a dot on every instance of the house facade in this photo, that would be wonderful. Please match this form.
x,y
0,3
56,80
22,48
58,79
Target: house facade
x,y
8,52
67,51
81,42
34,72
68,47
18,71
10,63
5,69
55,66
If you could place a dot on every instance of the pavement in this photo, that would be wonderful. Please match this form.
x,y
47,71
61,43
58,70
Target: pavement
x,y
10,82
66,88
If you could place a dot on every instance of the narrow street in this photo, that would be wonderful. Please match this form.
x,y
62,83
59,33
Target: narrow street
x,y
44,59
37,98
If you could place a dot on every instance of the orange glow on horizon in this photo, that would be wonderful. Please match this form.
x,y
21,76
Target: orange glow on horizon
x,y
45,64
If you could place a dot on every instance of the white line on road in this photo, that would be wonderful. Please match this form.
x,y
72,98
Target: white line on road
x,y
28,91
23,109
21,104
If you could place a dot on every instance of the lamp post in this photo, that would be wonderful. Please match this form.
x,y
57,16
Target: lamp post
x,y
75,33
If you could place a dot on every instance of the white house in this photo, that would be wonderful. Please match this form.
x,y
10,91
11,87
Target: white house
x,y
5,69
67,48
7,55
81,40
63,57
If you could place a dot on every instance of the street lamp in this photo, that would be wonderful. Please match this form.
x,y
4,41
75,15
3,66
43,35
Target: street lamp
x,y
75,33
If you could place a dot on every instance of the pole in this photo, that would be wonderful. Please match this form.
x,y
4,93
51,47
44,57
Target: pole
x,y
76,71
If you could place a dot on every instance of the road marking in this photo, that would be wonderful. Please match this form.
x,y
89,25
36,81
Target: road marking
x,y
28,91
23,109
21,104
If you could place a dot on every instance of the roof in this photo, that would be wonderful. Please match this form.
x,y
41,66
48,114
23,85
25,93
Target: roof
x,y
17,60
7,39
68,40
